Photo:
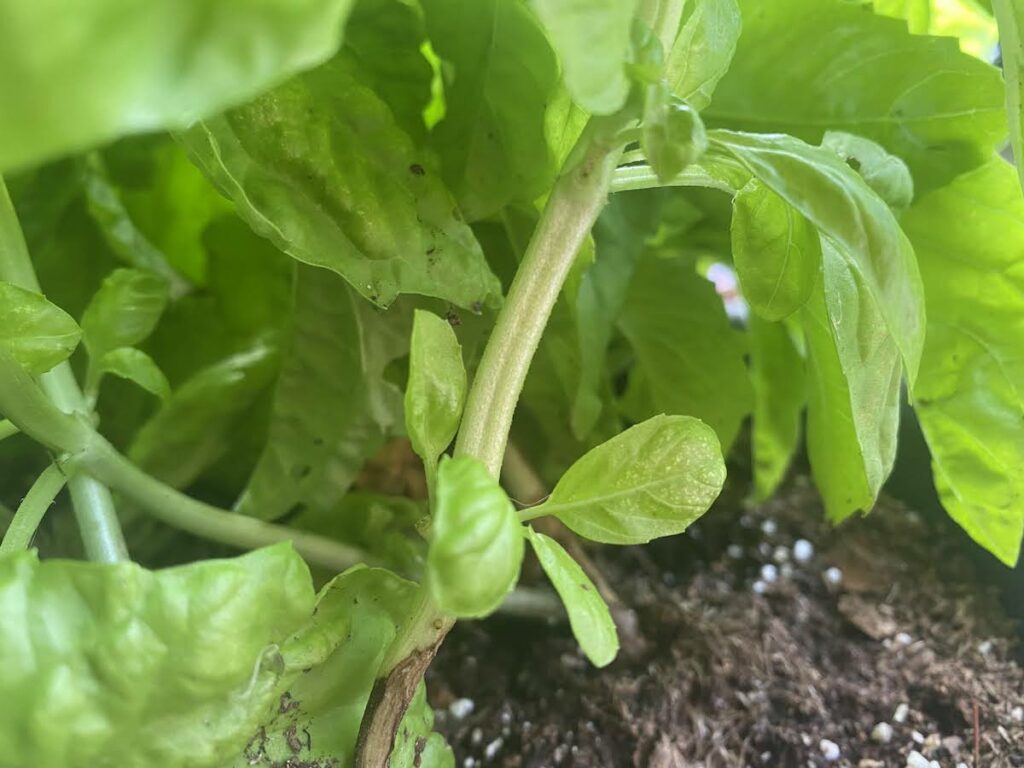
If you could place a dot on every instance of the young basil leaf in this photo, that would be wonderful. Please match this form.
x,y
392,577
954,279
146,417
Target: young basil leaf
x,y
593,41
195,427
476,544
848,212
884,173
436,390
650,481
780,393
503,74
588,614
672,135
919,97
135,365
315,717
688,359
703,49
854,375
776,251
970,395
162,64
36,333
1010,17
324,422
172,668
319,167
123,312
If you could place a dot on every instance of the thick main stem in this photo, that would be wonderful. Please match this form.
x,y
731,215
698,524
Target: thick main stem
x,y
572,209
91,500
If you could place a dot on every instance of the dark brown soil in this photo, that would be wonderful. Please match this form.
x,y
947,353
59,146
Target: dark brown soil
x,y
718,674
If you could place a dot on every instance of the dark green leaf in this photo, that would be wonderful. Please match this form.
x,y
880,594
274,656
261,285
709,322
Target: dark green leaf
x,y
323,423
592,39
688,360
849,213
71,78
135,365
476,541
503,74
652,480
319,166
36,333
806,66
171,668
588,614
776,250
703,49
780,393
436,390
970,395
853,391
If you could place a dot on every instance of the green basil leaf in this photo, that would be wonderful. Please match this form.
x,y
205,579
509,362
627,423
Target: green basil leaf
x,y
135,365
195,427
416,745
593,41
780,393
776,251
335,660
476,544
688,359
161,64
172,668
502,75
854,390
324,421
919,97
1010,17
124,311
589,617
970,395
436,391
672,135
319,166
884,173
918,13
36,333
650,481
703,49
849,213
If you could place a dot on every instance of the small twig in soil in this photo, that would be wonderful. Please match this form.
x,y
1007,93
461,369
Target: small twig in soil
x,y
977,736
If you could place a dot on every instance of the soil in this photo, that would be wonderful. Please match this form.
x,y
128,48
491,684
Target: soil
x,y
726,667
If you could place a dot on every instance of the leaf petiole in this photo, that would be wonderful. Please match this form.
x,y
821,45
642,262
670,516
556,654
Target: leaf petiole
x,y
31,510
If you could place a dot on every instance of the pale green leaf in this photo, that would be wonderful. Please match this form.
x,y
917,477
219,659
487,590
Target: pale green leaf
x,y
123,312
476,541
135,365
703,49
806,66
688,359
36,333
853,390
113,664
776,251
76,75
884,173
970,395
780,393
672,135
592,39
589,617
850,214
650,481
436,391
319,166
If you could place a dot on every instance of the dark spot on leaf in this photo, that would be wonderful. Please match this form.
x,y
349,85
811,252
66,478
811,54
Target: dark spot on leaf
x,y
417,170
301,471
453,319
430,250
477,307
292,739
420,745
287,703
